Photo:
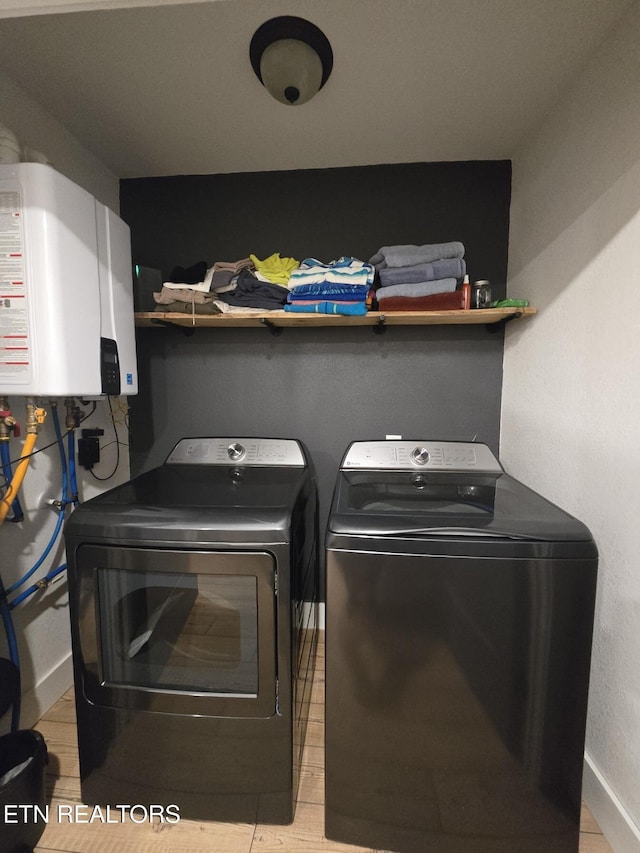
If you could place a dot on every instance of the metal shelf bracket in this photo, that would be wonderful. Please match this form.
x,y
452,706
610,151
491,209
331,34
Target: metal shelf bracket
x,y
380,327
500,324
187,331
276,331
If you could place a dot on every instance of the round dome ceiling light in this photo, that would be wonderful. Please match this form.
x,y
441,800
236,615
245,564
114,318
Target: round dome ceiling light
x,y
292,59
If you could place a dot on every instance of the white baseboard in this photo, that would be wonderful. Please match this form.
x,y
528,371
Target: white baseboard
x,y
37,701
612,817
308,618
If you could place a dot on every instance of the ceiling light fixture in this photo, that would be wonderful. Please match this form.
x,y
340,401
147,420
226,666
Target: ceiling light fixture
x,y
292,59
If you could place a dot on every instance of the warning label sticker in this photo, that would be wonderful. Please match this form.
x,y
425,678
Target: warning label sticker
x,y
15,354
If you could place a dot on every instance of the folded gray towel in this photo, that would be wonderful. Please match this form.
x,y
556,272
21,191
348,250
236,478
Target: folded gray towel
x,y
420,288
445,268
407,256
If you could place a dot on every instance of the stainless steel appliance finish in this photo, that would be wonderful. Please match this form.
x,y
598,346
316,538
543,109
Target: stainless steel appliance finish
x,y
458,636
193,596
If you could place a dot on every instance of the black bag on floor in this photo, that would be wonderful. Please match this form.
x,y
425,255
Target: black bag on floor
x,y
23,756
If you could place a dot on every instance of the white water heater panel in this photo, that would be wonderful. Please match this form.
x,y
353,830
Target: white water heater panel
x,y
60,332
116,295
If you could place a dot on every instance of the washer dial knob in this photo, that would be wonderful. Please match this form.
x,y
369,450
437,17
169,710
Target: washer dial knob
x,y
235,451
420,455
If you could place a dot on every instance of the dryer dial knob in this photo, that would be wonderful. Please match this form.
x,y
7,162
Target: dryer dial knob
x,y
235,451
420,455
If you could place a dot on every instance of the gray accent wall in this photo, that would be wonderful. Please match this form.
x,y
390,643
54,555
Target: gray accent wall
x,y
324,386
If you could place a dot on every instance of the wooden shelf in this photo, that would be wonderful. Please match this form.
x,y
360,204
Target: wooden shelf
x,y
279,319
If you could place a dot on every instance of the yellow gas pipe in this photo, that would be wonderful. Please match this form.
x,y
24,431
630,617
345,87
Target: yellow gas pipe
x,y
35,416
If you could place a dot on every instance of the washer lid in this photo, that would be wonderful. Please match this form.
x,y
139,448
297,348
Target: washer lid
x,y
426,504
230,487
198,502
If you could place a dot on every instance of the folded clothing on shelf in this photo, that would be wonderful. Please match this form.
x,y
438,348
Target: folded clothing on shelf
x,y
347,308
346,270
253,293
410,255
190,307
328,291
168,295
275,268
341,287
456,300
421,288
188,275
421,278
201,279
442,268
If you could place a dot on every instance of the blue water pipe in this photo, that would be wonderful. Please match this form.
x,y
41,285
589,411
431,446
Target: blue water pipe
x,y
5,460
61,510
63,458
71,456
5,606
41,584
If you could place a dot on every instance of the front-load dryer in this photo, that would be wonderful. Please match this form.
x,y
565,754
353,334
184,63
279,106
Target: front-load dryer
x,y
458,635
193,591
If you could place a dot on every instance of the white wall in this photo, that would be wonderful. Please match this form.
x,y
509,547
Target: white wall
x,y
571,395
36,129
42,622
18,8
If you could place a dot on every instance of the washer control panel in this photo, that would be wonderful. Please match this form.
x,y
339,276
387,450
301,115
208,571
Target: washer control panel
x,y
237,451
421,455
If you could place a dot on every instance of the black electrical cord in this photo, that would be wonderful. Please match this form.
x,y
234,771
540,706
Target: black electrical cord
x,y
87,415
117,443
63,436
39,450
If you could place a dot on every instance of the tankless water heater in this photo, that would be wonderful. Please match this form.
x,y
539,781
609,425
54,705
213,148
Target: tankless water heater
x,y
66,292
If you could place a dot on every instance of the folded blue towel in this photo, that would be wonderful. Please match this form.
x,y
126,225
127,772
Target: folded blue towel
x,y
445,268
419,288
329,290
407,256
356,309
346,270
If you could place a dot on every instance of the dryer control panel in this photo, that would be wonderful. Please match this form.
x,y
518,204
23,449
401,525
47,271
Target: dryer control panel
x,y
421,455
237,451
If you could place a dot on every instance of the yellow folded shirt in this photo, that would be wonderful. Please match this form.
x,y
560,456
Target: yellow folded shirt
x,y
278,270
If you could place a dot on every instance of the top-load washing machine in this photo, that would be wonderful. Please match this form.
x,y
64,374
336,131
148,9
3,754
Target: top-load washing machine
x,y
193,591
458,636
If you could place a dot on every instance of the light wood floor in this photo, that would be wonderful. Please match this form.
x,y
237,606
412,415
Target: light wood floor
x,y
305,835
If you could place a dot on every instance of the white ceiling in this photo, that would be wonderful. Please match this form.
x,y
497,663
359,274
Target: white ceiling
x,y
169,89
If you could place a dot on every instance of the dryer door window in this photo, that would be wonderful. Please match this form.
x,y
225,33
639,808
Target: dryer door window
x,y
165,630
